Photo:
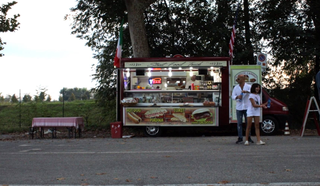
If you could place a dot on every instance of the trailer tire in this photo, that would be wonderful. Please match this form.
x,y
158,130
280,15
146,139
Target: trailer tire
x,y
269,125
152,131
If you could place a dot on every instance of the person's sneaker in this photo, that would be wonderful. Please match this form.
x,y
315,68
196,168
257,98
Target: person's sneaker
x,y
246,143
250,140
239,140
261,143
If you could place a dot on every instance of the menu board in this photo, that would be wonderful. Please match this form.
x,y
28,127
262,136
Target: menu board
x,y
170,116
252,75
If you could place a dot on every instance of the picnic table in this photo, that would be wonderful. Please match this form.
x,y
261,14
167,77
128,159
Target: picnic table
x,y
71,123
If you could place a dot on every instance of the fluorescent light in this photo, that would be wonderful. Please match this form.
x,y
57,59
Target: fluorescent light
x,y
170,73
149,73
211,73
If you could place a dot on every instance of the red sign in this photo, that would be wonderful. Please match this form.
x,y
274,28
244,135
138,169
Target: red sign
x,y
155,81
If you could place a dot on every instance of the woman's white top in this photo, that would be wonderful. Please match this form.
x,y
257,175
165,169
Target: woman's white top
x,y
254,111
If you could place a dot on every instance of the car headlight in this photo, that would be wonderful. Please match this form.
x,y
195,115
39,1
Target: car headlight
x,y
285,109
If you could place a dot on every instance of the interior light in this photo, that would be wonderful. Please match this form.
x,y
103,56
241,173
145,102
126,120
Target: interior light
x,y
128,72
170,73
149,73
211,73
191,72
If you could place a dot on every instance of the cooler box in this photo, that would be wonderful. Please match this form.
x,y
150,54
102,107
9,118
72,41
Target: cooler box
x,y
116,129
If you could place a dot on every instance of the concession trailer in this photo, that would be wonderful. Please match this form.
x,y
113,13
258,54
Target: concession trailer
x,y
154,93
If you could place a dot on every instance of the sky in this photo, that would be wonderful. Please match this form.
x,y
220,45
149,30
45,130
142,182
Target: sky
x,y
42,53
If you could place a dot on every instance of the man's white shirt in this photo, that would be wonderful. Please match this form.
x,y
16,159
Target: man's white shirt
x,y
244,102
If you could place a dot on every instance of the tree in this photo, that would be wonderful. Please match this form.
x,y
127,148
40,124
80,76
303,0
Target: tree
x,y
72,97
79,93
294,41
172,27
42,96
1,98
26,98
48,98
7,24
14,99
36,98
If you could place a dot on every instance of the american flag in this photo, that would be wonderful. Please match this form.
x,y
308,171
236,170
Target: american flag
x,y
231,43
233,33
117,58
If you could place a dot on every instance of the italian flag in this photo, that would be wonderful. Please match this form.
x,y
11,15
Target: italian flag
x,y
117,58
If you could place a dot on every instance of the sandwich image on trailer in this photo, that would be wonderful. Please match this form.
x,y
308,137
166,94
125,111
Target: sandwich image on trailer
x,y
134,117
155,113
179,117
201,114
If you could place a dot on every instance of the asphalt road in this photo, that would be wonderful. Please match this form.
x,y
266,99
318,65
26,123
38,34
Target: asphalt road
x,y
285,160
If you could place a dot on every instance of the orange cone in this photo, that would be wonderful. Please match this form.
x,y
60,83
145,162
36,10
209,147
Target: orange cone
x,y
286,129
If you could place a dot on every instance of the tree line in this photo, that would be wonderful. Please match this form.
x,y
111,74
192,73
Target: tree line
x,y
66,94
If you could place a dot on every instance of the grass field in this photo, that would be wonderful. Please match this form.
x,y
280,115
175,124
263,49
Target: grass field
x,y
18,117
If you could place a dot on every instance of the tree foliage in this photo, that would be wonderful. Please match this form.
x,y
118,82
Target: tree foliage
x,y
14,99
294,39
26,98
71,94
172,27
7,24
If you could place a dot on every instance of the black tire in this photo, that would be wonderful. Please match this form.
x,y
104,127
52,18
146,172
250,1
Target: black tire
x,y
152,131
269,126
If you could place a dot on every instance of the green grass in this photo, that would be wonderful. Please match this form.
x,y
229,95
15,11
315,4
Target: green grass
x,y
18,118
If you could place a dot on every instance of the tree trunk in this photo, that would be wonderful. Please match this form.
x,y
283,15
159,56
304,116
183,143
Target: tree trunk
x,y
137,28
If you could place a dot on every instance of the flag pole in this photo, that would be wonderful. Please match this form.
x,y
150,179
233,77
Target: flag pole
x,y
233,35
117,64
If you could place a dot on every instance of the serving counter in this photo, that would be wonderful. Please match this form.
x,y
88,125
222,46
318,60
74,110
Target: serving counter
x,y
157,97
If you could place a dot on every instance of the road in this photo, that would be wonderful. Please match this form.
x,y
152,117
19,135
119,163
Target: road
x,y
156,161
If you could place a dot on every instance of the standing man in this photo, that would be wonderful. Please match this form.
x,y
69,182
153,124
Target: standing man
x,y
240,93
193,79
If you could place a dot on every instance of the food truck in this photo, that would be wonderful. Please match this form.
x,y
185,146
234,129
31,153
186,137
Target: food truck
x,y
153,93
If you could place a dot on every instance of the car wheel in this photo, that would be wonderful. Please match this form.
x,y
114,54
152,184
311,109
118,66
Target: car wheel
x,y
152,131
269,126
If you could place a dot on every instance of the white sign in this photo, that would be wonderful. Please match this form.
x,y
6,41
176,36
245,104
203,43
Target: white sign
x,y
173,64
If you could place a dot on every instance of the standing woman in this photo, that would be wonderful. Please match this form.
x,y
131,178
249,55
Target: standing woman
x,y
253,112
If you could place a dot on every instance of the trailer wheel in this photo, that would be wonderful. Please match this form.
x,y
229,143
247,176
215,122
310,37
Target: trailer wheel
x,y
152,131
269,126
